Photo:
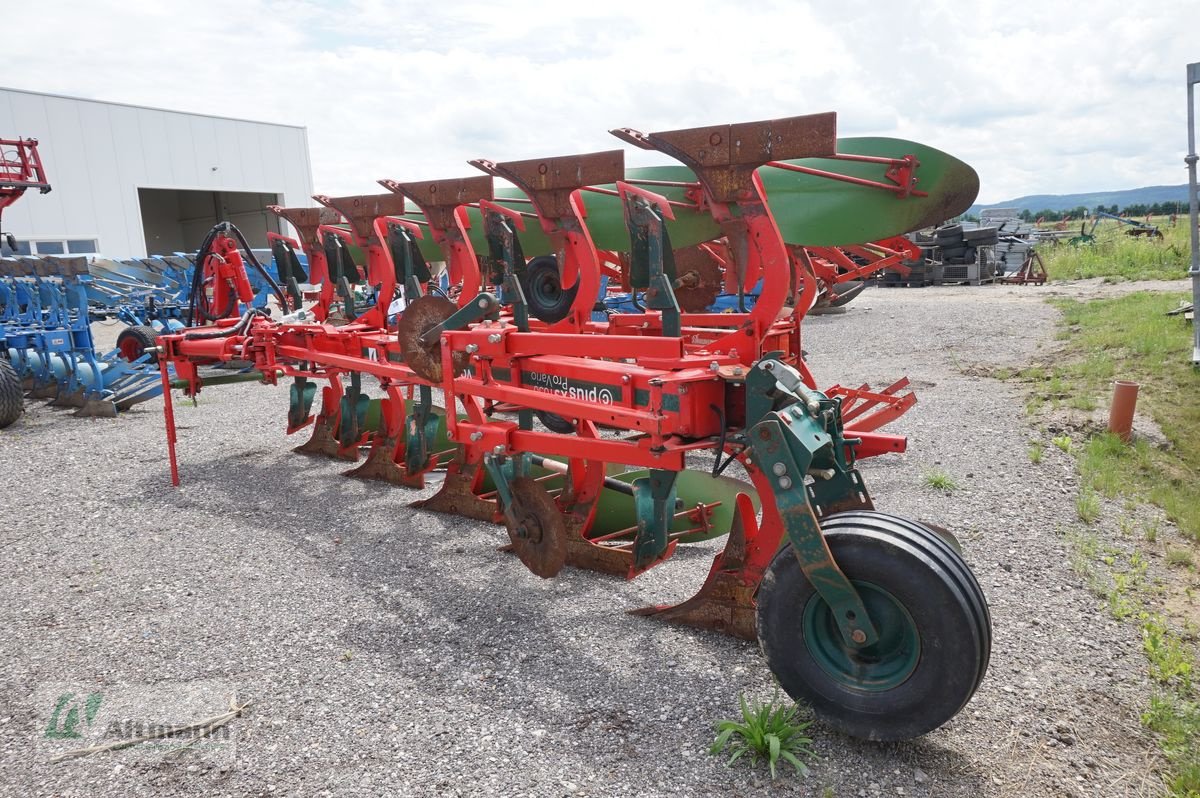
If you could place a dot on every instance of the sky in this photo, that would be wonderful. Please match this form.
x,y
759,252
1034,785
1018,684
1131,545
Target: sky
x,y
1044,97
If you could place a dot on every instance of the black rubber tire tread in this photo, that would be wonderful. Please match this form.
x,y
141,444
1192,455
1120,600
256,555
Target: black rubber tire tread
x,y
930,537
545,268
946,603
980,234
949,231
555,423
12,398
144,334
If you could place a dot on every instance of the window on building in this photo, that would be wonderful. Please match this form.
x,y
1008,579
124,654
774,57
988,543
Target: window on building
x,y
51,246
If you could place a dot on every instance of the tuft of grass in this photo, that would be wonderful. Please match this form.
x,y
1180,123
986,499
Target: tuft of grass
x,y
768,731
1087,506
1062,442
1035,453
1179,557
940,480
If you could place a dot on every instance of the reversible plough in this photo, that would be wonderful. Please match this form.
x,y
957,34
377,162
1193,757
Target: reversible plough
x,y
600,440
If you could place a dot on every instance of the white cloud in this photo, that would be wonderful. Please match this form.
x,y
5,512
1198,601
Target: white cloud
x,y
1039,97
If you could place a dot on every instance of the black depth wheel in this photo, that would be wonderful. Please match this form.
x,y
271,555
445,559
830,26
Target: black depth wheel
x,y
12,398
930,613
543,290
133,341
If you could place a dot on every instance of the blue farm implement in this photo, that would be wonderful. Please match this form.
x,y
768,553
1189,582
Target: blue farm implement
x,y
873,619
46,338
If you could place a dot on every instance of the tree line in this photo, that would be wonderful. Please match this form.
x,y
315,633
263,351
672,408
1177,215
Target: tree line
x,y
1080,211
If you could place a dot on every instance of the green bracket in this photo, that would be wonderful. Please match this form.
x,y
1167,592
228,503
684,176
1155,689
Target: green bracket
x,y
652,262
353,417
412,271
803,439
503,469
422,426
654,501
346,292
508,261
479,307
300,396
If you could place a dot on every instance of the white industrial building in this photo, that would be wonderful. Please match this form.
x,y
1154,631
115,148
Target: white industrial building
x,y
130,181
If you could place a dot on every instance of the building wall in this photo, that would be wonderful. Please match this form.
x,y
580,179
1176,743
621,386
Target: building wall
x,y
97,155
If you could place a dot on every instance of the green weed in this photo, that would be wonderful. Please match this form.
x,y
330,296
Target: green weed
x,y
1087,506
769,731
940,480
1062,442
1035,453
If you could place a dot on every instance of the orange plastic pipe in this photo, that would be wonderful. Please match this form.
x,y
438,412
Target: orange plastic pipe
x,y
1120,416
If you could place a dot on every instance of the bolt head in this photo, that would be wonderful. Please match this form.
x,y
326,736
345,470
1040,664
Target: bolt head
x,y
779,469
494,338
858,636
785,483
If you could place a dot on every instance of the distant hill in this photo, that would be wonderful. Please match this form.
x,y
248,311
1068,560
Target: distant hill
x,y
1147,195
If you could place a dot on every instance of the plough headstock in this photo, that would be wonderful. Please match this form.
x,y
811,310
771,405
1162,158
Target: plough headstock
x,y
549,182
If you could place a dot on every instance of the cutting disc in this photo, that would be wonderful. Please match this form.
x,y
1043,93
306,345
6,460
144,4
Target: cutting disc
x,y
536,528
701,279
419,316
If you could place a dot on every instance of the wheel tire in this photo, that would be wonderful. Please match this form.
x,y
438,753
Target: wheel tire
x,y
133,341
12,398
543,290
931,615
555,423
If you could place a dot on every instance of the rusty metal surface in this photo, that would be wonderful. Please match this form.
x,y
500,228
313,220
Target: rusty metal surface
x,y
307,220
381,465
438,199
456,497
724,603
362,210
550,181
419,316
323,443
700,279
724,157
589,556
536,528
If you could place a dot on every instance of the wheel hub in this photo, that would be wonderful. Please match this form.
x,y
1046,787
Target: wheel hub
x,y
875,668
536,528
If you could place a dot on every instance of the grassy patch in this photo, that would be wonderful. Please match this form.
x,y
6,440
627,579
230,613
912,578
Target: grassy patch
x,y
1132,338
1117,256
940,480
1035,452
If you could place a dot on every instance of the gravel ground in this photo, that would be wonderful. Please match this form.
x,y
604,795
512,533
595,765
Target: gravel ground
x,y
392,651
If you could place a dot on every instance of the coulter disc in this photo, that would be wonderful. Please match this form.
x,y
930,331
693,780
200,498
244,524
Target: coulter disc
x,y
536,528
419,316
702,279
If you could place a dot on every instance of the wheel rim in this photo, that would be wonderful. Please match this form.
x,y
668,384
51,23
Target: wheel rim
x,y
882,666
131,348
545,291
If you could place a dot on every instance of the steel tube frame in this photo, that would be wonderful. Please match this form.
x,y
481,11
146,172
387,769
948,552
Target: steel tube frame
x,y
1193,77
